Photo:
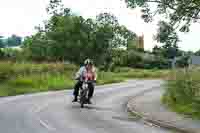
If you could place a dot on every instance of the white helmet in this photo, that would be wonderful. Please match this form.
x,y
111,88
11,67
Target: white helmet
x,y
88,62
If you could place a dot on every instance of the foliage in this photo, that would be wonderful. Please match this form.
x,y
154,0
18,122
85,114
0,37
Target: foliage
x,y
13,40
197,53
183,62
21,78
167,34
134,59
1,42
2,54
182,94
180,13
167,51
66,36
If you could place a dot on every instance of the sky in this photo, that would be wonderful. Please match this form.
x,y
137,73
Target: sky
x,y
21,16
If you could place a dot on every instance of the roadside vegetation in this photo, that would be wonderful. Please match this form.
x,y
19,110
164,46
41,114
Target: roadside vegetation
x,y
183,92
23,78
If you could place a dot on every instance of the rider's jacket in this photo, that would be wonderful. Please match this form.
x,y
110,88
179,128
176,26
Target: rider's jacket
x,y
90,74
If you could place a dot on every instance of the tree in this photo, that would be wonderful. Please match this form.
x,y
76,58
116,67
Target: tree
x,y
107,19
124,36
106,36
55,7
157,50
1,42
66,36
112,36
1,46
166,34
197,53
36,47
108,24
14,40
121,34
132,44
180,13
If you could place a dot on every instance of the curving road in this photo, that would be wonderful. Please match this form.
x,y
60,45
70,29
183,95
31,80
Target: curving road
x,y
53,112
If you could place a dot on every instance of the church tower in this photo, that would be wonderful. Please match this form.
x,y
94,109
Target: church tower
x,y
140,42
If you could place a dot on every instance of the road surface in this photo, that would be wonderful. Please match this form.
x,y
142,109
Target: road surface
x,y
53,112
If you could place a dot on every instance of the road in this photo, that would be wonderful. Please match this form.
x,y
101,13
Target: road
x,y
53,112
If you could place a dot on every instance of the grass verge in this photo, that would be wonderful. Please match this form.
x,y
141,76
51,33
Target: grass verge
x,y
183,93
23,78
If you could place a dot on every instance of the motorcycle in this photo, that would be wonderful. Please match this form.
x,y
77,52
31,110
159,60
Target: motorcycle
x,y
84,92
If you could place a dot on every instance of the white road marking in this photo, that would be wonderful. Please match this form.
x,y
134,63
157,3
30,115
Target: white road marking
x,y
46,125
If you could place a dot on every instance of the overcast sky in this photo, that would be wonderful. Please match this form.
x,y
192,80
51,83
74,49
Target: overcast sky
x,y
21,16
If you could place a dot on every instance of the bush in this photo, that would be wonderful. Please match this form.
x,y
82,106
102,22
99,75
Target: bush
x,y
2,54
22,82
183,93
122,69
135,59
183,62
6,70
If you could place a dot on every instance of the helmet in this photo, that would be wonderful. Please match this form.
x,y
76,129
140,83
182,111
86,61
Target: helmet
x,y
88,62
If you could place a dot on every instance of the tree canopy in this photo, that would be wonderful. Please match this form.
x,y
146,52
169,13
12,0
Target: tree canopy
x,y
178,15
13,40
66,36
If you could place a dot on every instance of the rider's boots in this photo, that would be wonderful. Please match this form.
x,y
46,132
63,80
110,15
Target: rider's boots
x,y
75,99
89,101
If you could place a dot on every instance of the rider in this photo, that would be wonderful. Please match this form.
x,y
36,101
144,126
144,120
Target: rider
x,y
89,71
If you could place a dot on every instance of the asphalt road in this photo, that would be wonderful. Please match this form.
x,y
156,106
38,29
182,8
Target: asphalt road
x,y
53,112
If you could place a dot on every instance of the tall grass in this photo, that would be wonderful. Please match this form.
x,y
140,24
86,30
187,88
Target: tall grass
x,y
183,93
22,78
142,73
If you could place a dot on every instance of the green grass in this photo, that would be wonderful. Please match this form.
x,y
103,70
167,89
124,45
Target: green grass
x,y
183,93
36,83
140,73
187,110
108,77
24,78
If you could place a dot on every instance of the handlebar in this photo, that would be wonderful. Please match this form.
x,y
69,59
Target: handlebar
x,y
89,81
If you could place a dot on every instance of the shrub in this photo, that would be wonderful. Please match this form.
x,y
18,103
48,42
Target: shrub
x,y
183,93
22,82
6,70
